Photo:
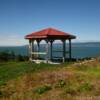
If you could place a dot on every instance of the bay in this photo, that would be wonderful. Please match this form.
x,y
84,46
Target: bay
x,y
79,50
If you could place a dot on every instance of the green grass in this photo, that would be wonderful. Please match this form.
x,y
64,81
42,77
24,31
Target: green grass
x,y
41,80
11,70
91,70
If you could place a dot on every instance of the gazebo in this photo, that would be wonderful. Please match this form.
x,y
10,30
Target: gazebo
x,y
49,35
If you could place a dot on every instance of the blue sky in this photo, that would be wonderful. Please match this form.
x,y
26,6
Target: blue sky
x,y
20,17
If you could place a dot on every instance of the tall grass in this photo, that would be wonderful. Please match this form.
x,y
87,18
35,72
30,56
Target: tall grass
x,y
49,82
10,70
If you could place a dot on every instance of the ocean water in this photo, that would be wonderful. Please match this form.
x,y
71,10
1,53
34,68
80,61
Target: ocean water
x,y
23,50
79,50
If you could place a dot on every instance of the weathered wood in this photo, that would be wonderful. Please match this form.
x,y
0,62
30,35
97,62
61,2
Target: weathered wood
x,y
30,50
50,35
70,55
47,50
64,50
40,53
38,48
51,43
37,53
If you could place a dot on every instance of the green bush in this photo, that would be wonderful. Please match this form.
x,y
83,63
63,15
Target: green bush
x,y
19,58
43,89
85,87
10,56
1,93
78,88
60,84
71,90
4,56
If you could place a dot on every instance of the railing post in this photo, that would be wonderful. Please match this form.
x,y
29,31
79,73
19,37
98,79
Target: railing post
x,y
51,43
70,50
47,51
38,48
64,50
30,50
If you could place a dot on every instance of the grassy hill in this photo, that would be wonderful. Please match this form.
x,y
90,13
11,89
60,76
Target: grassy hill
x,y
68,81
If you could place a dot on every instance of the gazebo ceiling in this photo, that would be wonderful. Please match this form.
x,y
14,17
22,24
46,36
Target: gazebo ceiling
x,y
50,33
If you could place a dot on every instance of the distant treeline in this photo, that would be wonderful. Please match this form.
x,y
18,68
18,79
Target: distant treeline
x,y
11,56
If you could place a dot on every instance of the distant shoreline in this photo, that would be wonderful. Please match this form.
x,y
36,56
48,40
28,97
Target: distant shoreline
x,y
54,43
79,50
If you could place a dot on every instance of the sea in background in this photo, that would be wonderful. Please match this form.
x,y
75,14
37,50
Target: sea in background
x,y
79,50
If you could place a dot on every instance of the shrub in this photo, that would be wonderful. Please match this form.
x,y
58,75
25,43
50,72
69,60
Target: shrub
x,y
4,56
1,93
71,90
60,84
19,58
74,89
10,56
43,89
26,58
85,87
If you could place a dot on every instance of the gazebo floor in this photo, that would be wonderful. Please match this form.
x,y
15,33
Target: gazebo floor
x,y
44,61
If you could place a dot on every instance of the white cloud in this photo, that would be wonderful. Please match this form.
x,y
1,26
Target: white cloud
x,y
12,40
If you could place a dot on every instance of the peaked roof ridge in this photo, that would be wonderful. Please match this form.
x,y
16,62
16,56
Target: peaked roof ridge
x,y
49,30
50,33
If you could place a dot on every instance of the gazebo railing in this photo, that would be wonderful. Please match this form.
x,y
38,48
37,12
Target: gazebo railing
x,y
39,53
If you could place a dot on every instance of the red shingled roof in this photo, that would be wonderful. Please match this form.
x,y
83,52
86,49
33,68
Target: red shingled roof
x,y
50,33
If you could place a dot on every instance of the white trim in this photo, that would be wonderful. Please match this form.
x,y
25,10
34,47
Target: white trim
x,y
41,53
44,61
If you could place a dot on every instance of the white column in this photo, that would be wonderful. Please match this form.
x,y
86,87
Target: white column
x,y
38,47
30,50
70,49
51,43
64,50
47,51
